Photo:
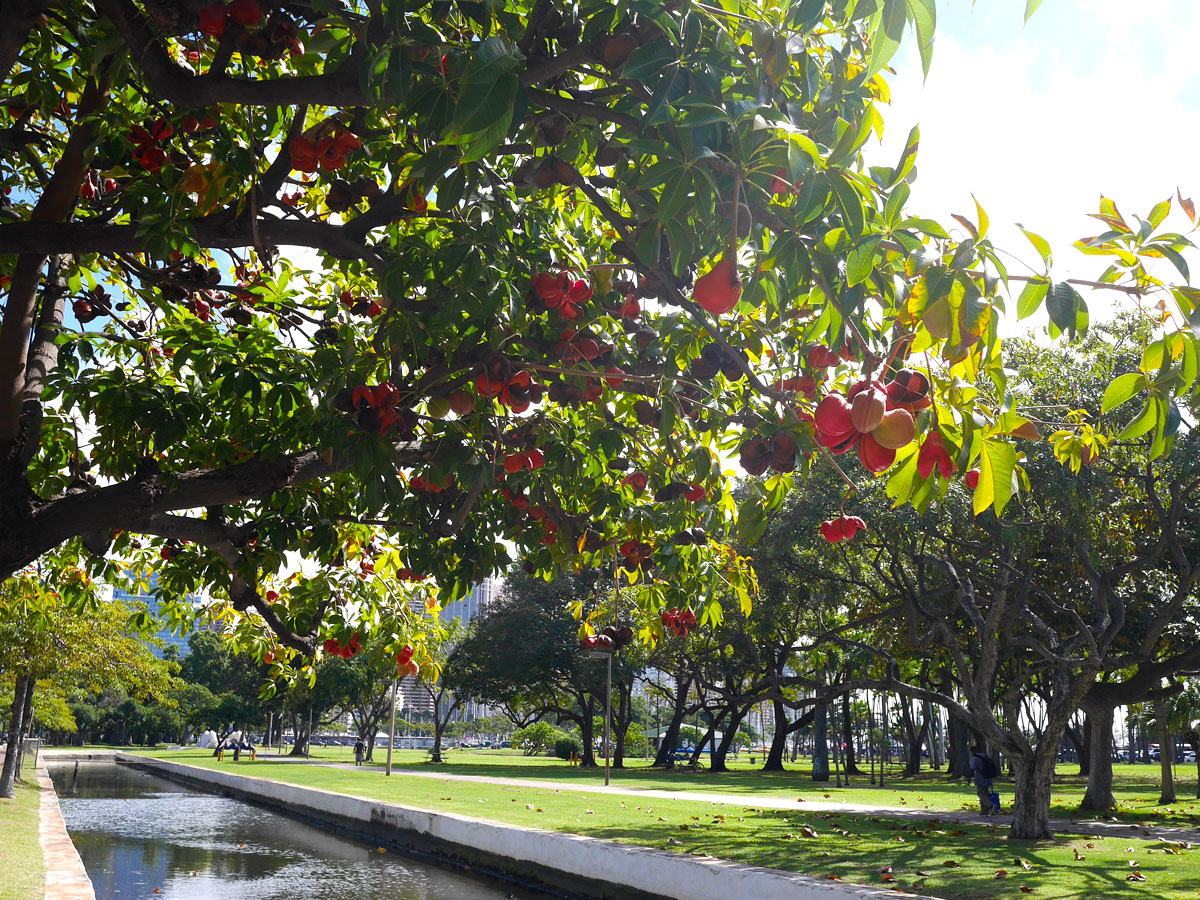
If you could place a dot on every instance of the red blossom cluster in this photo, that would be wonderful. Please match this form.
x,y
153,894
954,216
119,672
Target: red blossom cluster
x,y
328,153
95,186
420,485
360,306
516,390
843,528
934,455
637,553
528,459
147,149
405,662
334,647
875,418
636,480
562,292
378,408
679,622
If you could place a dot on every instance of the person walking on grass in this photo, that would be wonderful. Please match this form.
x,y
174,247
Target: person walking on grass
x,y
359,750
984,771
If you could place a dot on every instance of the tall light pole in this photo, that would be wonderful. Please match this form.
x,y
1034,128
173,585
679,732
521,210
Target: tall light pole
x,y
391,730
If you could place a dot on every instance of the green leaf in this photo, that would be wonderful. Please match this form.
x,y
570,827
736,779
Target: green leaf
x,y
886,34
1040,244
1031,6
924,18
861,261
908,158
1146,420
752,520
997,460
480,109
1159,212
1031,298
1122,389
490,60
983,217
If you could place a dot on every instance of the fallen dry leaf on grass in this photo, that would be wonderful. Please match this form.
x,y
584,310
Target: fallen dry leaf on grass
x,y
950,864
1135,876
1001,873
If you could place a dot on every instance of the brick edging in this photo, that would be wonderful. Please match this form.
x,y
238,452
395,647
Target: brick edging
x,y
66,878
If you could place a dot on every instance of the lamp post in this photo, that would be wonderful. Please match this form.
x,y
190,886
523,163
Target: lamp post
x,y
607,655
391,730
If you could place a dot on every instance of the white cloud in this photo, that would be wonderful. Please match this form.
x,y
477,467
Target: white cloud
x,y
1037,126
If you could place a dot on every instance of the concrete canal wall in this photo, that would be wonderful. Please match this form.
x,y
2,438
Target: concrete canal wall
x,y
66,878
564,863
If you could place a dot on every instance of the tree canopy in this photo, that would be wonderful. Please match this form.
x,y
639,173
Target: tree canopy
x,y
397,289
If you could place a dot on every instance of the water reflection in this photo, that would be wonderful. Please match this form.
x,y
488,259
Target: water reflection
x,y
143,837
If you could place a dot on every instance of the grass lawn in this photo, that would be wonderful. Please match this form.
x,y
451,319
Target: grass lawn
x,y
929,856
20,849
1136,786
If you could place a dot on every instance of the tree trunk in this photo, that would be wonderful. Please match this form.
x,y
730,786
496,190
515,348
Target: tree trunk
x,y
1099,795
439,728
820,757
621,724
302,736
1034,774
667,742
937,756
587,737
1164,754
849,757
912,765
12,751
721,751
27,721
958,762
774,761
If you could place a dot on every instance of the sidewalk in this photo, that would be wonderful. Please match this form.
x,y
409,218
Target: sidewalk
x,y
1062,826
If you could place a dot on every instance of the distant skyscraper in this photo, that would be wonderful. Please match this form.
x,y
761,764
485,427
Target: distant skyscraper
x,y
471,605
168,637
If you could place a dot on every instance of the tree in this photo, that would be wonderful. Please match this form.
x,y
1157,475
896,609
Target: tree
x,y
642,222
46,637
537,738
431,678
521,654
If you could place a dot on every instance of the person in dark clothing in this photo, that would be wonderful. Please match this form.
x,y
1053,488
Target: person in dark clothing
x,y
359,750
983,770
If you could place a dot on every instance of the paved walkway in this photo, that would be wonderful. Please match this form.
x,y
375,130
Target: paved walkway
x,y
757,801
66,878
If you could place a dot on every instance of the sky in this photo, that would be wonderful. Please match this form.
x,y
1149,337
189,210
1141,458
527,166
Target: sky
x,y
1038,120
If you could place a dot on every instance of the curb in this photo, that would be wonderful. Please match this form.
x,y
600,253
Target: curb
x,y
66,878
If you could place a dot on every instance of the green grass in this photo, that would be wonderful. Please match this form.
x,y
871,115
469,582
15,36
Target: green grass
x,y
20,848
854,848
1136,786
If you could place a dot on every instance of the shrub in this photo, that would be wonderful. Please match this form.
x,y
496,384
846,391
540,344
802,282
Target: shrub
x,y
565,748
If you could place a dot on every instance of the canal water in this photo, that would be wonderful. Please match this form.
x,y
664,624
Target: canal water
x,y
145,838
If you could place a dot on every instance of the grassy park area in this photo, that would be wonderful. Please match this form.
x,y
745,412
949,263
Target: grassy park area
x,y
930,855
1136,786
20,848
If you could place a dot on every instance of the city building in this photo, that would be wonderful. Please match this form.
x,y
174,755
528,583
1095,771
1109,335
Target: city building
x,y
163,633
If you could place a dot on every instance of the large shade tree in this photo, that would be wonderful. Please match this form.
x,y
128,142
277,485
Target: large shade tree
x,y
280,275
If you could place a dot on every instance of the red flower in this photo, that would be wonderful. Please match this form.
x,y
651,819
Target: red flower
x,y
843,528
934,455
213,19
304,154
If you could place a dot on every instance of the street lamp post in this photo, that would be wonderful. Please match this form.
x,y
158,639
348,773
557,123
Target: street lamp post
x,y
391,731
605,654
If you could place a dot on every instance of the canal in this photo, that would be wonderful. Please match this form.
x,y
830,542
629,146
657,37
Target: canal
x,y
145,838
